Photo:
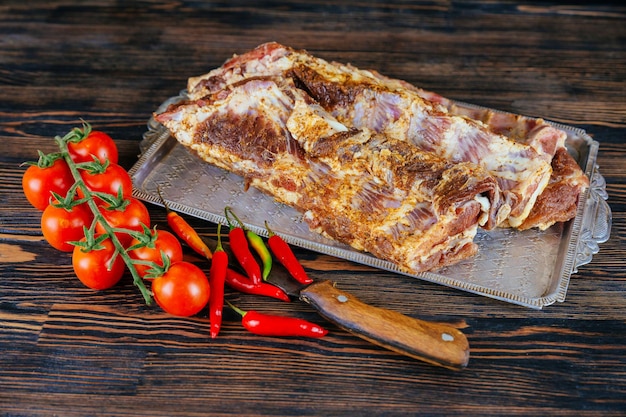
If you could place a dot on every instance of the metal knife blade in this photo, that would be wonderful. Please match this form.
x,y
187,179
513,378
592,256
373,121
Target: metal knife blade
x,y
434,343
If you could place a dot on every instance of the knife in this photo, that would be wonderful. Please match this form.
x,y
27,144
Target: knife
x,y
435,343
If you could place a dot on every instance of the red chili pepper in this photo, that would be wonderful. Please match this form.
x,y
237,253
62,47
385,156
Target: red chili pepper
x,y
286,257
242,284
239,246
184,231
217,276
271,325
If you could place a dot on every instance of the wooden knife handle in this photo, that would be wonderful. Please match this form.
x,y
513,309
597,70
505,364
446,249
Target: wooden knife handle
x,y
435,343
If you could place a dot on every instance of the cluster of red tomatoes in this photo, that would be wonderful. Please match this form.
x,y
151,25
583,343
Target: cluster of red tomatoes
x,y
88,209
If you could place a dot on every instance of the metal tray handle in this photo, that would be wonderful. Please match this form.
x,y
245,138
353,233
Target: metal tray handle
x,y
596,227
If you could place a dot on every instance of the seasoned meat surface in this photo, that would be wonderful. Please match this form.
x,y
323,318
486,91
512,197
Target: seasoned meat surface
x,y
518,151
373,192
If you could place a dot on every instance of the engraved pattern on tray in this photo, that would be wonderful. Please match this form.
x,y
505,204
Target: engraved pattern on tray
x,y
530,268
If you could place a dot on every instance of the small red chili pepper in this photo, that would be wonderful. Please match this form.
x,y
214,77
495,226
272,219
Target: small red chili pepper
x,y
242,284
286,257
271,325
184,231
239,246
217,276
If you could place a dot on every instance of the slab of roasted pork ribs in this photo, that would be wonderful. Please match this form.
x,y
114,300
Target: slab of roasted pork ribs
x,y
370,161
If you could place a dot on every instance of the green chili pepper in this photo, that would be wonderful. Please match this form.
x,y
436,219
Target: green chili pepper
x,y
261,249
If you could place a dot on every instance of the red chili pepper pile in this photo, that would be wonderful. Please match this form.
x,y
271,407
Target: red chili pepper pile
x,y
241,239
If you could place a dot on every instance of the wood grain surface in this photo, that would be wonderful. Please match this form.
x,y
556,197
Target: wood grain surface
x,y
69,351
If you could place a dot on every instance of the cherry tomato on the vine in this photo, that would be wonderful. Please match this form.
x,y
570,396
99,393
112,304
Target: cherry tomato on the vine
x,y
38,183
60,226
166,242
109,181
96,268
183,290
98,144
132,216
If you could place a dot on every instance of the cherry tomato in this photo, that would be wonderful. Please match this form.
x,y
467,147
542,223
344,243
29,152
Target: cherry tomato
x,y
60,226
183,290
38,183
97,144
166,242
95,269
108,181
133,216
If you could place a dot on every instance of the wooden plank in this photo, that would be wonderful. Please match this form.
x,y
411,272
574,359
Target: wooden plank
x,y
68,350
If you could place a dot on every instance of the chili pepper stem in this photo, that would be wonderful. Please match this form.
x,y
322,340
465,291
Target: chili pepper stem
x,y
167,207
236,309
219,247
227,210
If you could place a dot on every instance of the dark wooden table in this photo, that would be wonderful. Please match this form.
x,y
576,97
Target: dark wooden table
x,y
69,351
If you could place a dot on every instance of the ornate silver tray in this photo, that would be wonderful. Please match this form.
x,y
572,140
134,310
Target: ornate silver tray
x,y
529,268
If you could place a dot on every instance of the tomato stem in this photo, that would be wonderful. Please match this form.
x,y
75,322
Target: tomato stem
x,y
98,218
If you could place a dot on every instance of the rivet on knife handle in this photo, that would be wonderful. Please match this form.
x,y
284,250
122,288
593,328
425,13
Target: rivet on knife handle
x,y
435,343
